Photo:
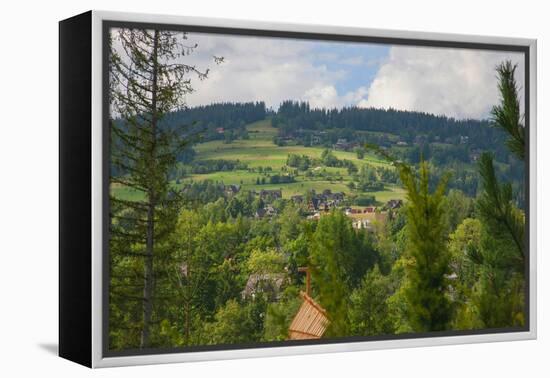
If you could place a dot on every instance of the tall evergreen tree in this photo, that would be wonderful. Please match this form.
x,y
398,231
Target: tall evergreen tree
x,y
499,297
428,304
148,79
339,258
331,251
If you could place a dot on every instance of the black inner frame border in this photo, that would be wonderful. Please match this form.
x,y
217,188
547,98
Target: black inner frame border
x,y
316,36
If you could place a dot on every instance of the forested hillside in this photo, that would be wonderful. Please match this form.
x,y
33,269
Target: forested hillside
x,y
449,144
227,219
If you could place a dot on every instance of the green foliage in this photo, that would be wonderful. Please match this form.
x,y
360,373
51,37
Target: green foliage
x,y
365,200
302,162
289,224
147,80
429,306
237,323
215,165
369,308
339,257
280,314
360,152
328,158
191,271
499,297
459,207
185,253
504,221
398,304
464,243
263,262
506,116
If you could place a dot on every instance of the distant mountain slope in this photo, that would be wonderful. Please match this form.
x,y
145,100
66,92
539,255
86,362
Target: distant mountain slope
x,y
297,120
294,118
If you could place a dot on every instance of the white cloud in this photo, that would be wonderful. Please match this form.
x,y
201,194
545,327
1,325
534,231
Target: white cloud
x,y
259,69
326,96
454,82
254,69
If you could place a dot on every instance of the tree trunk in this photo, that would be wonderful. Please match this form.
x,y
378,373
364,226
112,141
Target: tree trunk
x,y
149,251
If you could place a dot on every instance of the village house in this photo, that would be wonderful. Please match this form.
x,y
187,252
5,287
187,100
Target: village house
x,y
297,199
365,210
325,201
271,194
266,211
475,155
270,211
394,204
313,204
343,144
260,213
366,217
231,190
315,139
359,224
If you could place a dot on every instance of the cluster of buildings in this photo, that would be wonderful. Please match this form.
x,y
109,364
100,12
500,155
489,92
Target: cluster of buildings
x,y
367,220
368,217
270,194
343,145
365,217
318,204
324,201
265,194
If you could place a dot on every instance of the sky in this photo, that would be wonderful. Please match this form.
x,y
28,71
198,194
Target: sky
x,y
459,83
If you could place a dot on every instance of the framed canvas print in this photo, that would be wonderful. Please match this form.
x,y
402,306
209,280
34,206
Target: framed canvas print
x,y
235,189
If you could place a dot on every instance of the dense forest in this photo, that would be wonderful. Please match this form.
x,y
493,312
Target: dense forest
x,y
448,143
205,263
216,121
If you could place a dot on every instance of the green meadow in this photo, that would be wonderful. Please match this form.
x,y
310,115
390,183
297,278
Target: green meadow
x,y
260,151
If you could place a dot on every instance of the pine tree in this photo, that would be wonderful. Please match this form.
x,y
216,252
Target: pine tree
x,y
428,304
499,298
497,211
147,80
506,116
334,250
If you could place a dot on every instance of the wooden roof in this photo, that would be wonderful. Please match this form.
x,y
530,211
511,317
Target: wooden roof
x,y
310,322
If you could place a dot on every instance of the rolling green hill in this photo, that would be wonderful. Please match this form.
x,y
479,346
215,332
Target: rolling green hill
x,y
260,151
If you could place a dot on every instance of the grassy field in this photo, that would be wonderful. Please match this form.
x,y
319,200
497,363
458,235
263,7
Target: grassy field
x,y
260,151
